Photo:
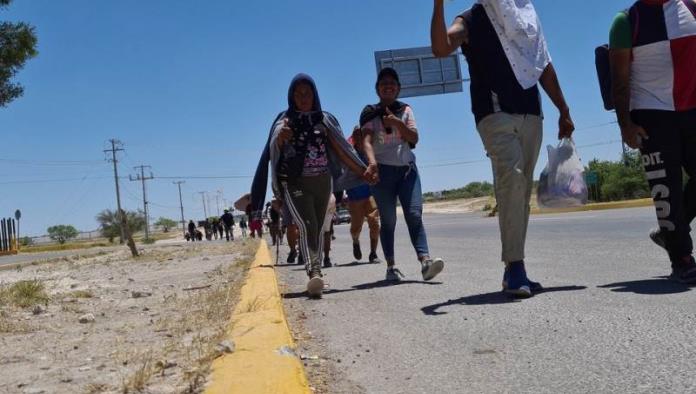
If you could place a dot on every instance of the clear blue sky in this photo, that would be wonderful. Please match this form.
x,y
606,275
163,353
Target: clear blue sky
x,y
191,87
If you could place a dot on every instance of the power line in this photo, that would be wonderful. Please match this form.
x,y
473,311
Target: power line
x,y
52,163
54,180
205,177
457,163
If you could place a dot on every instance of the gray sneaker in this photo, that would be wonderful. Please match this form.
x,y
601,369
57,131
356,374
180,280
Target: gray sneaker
x,y
315,286
430,268
393,275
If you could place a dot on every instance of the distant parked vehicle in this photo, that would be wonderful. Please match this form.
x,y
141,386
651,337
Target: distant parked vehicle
x,y
341,216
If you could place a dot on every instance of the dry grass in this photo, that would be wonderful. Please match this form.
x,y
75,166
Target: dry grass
x,y
65,246
96,388
10,325
253,305
199,324
24,294
138,381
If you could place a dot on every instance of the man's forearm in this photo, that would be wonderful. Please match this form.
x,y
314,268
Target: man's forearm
x,y
549,82
622,102
438,30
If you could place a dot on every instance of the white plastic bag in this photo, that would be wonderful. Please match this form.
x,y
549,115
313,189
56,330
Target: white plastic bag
x,y
562,183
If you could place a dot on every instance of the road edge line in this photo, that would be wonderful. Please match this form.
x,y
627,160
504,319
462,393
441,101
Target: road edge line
x,y
264,358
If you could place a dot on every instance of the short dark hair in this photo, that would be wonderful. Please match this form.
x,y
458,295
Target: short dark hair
x,y
387,72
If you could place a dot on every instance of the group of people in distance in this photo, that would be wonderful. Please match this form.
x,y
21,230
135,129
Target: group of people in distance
x,y
652,48
214,226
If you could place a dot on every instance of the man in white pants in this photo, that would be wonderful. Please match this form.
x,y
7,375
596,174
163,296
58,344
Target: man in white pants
x,y
507,55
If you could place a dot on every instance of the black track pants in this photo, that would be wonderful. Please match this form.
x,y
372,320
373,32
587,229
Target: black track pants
x,y
670,149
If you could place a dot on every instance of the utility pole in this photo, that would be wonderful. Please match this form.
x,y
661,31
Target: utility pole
x,y
181,205
205,209
217,201
142,178
116,146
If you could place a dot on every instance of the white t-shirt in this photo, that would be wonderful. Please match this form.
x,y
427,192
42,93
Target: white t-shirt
x,y
390,149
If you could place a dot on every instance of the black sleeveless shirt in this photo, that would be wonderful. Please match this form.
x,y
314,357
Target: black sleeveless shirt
x,y
494,87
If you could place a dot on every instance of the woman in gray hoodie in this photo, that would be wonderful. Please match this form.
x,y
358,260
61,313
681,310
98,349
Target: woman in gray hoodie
x,y
309,158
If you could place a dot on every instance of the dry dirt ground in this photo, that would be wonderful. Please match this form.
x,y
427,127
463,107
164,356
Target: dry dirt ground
x,y
459,206
114,324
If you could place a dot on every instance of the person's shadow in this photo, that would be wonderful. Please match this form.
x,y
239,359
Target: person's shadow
x,y
660,285
494,298
354,264
365,286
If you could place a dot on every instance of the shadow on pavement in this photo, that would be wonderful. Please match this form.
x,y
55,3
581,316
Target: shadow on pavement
x,y
365,286
355,264
494,298
660,285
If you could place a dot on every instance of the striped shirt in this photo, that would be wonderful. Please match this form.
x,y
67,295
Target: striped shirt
x,y
662,37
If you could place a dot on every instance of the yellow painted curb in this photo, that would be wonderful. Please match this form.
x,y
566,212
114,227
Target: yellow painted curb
x,y
645,202
263,360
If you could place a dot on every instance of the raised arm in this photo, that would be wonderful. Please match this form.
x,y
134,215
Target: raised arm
x,y
444,41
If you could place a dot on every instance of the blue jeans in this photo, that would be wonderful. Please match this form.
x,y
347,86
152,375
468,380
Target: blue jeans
x,y
404,183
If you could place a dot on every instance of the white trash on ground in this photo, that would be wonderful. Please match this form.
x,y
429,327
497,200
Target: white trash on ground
x,y
562,183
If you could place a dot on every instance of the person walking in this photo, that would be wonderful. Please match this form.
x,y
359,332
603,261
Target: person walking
x,y
227,221
389,135
652,52
274,221
243,226
292,235
192,230
309,158
506,50
362,206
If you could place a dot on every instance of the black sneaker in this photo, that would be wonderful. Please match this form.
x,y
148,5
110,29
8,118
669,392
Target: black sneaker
x,y
357,253
327,262
393,275
684,272
515,281
291,256
534,287
430,268
374,259
658,238
300,260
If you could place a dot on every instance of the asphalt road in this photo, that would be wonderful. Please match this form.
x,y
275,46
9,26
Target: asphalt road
x,y
609,322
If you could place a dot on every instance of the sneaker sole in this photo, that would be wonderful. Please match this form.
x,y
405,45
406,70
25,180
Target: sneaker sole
x,y
522,292
533,289
435,268
315,287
